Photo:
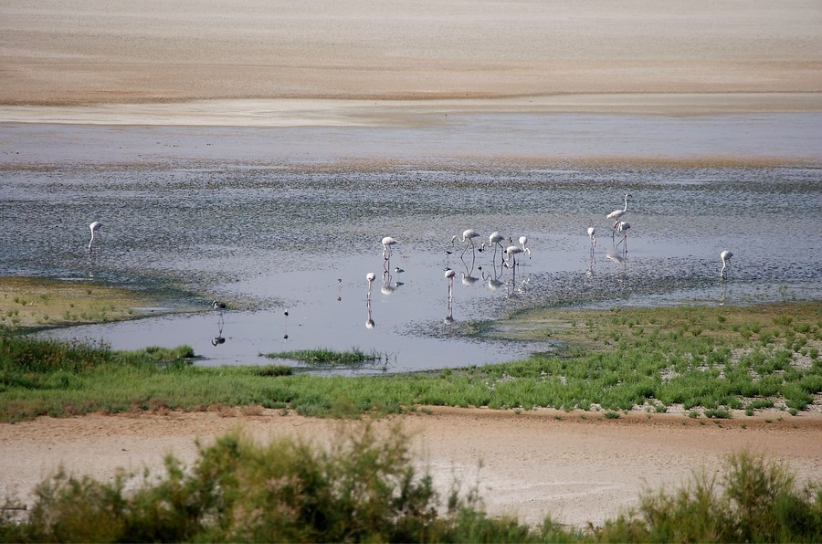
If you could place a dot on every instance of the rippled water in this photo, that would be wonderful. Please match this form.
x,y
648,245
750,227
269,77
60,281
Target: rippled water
x,y
268,240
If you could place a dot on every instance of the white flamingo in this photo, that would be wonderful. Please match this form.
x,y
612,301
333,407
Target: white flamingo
x,y
512,252
592,236
726,263
94,227
523,240
468,236
494,239
616,214
388,244
370,277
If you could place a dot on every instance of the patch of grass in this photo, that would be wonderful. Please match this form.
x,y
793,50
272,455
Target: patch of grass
x,y
710,374
328,357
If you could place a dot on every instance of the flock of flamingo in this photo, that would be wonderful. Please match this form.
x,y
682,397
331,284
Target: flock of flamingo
x,y
495,241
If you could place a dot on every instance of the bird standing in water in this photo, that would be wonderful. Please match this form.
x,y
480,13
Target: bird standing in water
x,y
94,227
622,227
726,263
468,236
388,244
591,235
616,214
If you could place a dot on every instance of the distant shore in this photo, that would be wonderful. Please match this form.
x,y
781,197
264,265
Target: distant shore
x,y
640,56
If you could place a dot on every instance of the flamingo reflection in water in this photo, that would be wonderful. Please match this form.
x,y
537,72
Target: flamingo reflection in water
x,y
369,321
219,339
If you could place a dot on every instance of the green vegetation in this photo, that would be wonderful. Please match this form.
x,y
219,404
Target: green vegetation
x,y
364,488
606,365
328,357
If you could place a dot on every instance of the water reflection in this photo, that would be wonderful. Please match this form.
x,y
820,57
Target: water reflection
x,y
219,339
494,281
369,322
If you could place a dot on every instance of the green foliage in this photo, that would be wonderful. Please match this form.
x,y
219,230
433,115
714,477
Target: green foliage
x,y
328,357
756,501
364,488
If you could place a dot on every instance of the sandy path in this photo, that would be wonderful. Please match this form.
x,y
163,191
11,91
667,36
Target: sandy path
x,y
579,470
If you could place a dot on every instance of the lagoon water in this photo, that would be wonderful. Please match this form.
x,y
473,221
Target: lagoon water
x,y
267,238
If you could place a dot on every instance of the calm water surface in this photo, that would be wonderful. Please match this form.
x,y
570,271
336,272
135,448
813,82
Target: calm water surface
x,y
267,240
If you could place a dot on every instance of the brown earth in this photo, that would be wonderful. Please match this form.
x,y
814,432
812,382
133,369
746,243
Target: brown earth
x,y
577,467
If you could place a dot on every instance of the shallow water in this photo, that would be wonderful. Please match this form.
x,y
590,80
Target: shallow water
x,y
268,239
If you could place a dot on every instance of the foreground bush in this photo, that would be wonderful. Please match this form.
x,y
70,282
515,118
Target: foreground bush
x,y
363,488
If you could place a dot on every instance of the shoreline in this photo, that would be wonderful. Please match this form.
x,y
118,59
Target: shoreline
x,y
302,112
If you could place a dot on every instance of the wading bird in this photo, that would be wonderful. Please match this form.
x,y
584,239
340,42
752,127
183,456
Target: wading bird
x,y
592,236
218,305
388,244
616,214
494,239
726,263
522,241
511,252
468,236
622,227
94,227
370,277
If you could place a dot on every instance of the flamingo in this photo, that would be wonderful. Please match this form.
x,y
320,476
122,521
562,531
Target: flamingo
x,y
616,214
622,227
468,236
591,235
370,277
388,244
726,263
94,227
522,241
495,239
512,251
449,275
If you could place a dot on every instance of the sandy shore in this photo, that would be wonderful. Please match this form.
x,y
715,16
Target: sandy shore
x,y
682,56
532,464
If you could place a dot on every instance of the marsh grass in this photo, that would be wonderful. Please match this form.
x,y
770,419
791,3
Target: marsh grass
x,y
329,357
661,369
28,304
364,487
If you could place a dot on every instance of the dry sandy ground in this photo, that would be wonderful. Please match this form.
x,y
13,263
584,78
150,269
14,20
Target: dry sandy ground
x,y
531,464
687,56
